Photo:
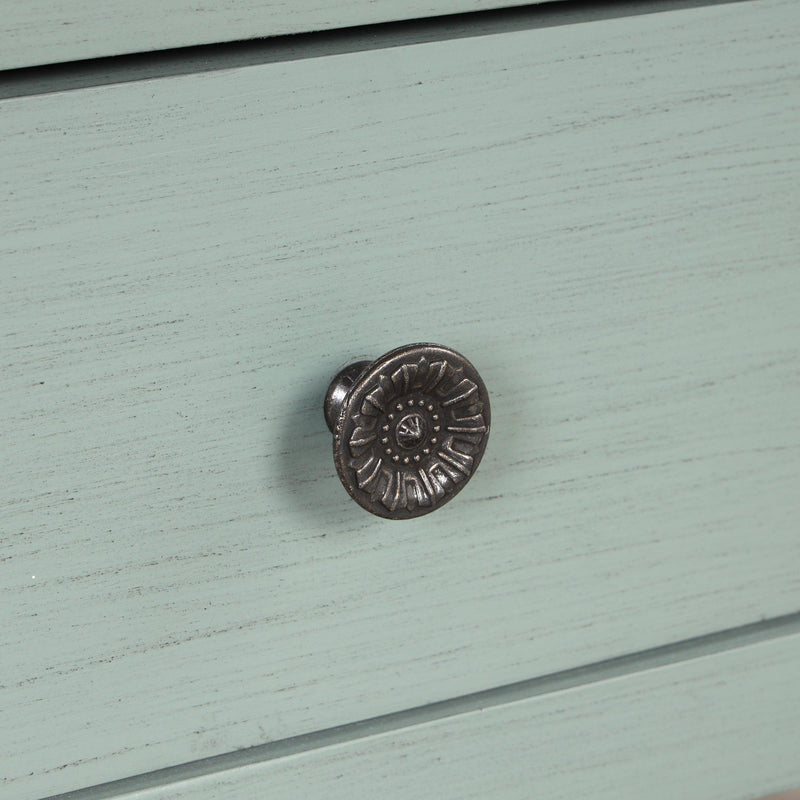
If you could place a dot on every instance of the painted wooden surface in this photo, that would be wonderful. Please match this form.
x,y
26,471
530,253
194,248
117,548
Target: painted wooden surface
x,y
726,727
185,263
49,31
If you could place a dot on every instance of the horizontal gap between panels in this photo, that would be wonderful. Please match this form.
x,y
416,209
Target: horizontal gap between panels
x,y
292,47
665,655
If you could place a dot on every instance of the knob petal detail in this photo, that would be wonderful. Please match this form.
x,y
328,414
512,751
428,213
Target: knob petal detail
x,y
409,429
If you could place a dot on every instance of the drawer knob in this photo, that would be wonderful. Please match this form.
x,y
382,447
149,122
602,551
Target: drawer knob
x,y
409,429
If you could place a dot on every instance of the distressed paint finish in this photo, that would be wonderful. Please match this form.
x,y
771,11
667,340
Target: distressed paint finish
x,y
49,31
612,209
719,728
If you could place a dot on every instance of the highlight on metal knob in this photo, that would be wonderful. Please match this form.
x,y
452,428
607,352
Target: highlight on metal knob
x,y
409,429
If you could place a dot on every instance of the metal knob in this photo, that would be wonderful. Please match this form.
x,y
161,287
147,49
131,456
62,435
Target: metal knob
x,y
409,429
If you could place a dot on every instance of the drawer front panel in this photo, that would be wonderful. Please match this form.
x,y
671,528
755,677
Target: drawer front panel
x,y
713,729
46,32
187,261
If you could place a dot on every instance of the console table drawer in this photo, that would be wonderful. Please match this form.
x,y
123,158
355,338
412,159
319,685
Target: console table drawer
x,y
602,217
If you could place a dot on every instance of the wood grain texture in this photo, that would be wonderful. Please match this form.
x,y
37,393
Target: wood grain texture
x,y
50,31
602,217
725,727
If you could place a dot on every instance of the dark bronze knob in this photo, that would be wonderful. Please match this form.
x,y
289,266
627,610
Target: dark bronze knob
x,y
409,429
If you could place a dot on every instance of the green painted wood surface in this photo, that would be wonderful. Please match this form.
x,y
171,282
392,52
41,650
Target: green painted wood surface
x,y
602,217
726,727
51,31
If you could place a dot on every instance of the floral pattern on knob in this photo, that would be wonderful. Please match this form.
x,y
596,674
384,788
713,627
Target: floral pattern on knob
x,y
411,431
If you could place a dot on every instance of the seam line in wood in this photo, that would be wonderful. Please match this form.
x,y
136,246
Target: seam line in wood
x,y
642,661
68,76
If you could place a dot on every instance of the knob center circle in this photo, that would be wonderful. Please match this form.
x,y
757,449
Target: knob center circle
x,y
411,431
